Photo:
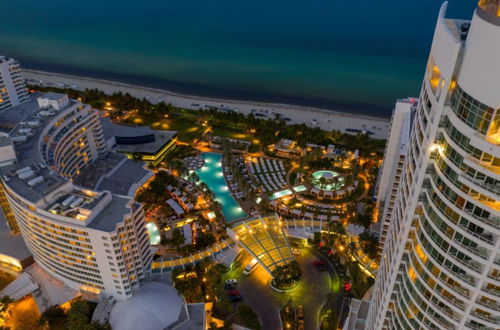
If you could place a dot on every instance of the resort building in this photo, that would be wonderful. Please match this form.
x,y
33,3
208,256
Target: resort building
x,y
92,240
440,265
139,143
12,86
394,156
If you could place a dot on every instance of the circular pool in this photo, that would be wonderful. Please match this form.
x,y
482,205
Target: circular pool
x,y
327,180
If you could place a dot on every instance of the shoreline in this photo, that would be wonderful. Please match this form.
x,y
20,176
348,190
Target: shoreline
x,y
314,117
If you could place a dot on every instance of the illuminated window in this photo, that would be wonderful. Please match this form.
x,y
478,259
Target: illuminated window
x,y
412,274
421,253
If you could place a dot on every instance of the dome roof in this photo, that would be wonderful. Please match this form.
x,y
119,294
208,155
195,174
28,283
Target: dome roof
x,y
155,306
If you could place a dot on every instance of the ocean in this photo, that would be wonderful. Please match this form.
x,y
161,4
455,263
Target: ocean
x,y
357,56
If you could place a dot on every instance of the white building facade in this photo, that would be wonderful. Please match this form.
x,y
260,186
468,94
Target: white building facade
x,y
440,266
93,241
395,155
12,86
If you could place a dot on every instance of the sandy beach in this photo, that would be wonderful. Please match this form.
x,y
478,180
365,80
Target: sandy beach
x,y
314,117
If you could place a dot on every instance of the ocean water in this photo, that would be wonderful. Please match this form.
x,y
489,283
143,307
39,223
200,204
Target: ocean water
x,y
358,55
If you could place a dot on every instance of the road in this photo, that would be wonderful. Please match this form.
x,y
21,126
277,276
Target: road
x,y
311,293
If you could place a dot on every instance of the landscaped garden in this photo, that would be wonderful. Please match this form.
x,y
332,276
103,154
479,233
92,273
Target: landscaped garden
x,y
262,165
286,277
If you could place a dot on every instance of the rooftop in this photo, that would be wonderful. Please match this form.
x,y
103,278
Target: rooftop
x,y
53,96
121,180
32,179
161,138
111,215
154,306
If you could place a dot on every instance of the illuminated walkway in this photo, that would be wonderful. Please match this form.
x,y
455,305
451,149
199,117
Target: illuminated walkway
x,y
168,265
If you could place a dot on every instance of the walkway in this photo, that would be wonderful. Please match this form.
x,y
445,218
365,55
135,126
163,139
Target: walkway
x,y
169,265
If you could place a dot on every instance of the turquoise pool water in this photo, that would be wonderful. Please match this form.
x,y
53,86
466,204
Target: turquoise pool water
x,y
154,233
281,193
211,174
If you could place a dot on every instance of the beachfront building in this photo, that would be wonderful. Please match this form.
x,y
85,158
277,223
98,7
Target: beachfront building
x,y
12,86
440,265
92,240
138,142
395,152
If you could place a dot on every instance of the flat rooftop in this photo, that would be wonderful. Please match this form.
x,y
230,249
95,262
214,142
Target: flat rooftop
x,y
112,214
161,138
114,173
122,178
27,152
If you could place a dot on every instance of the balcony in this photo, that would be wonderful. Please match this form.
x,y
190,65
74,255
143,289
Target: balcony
x,y
486,317
493,221
494,306
494,189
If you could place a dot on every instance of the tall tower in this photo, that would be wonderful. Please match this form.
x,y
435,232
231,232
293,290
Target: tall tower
x,y
440,266
12,87
394,154
92,240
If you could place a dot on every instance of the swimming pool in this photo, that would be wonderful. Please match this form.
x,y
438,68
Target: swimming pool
x,y
211,174
327,180
154,233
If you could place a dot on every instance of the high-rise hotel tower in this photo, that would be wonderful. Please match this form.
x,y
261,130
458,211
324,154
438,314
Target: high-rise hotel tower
x,y
93,240
12,86
440,266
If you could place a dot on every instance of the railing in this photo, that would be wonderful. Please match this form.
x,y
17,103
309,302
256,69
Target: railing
x,y
495,221
491,188
486,317
490,305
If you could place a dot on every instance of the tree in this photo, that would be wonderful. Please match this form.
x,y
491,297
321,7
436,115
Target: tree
x,y
79,316
248,316
369,243
54,317
177,239
4,308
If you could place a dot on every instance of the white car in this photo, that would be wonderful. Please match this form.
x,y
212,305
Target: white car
x,y
231,281
250,267
296,252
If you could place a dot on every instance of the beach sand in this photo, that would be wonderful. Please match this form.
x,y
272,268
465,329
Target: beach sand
x,y
314,117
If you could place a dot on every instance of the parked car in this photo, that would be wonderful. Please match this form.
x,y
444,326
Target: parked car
x,y
251,267
229,286
300,311
300,325
233,293
296,252
236,298
231,281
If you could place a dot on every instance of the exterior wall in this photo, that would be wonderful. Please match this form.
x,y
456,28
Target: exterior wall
x,y
103,258
12,87
69,153
440,265
394,156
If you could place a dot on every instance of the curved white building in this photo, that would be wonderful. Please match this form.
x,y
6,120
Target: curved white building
x,y
93,241
440,265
